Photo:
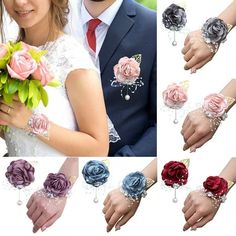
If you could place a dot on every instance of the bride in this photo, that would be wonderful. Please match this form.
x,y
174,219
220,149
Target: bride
x,y
76,120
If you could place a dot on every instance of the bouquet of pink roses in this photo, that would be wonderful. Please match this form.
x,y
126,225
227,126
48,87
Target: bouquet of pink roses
x,y
24,71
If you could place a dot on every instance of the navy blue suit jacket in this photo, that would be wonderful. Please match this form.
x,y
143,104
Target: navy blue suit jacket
x,y
133,31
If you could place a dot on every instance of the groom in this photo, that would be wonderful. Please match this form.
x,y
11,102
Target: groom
x,y
123,28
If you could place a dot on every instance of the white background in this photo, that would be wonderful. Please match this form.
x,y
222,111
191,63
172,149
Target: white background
x,y
81,216
213,156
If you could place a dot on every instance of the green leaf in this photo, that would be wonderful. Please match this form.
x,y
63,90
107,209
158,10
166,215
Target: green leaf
x,y
13,86
32,89
34,93
4,77
54,83
7,97
29,103
36,55
23,91
138,58
37,83
44,96
15,46
36,98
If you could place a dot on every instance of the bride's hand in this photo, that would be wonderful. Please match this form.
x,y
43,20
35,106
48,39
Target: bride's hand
x,y
15,114
44,211
118,209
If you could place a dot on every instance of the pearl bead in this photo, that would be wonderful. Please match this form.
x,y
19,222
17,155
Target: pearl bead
x,y
127,97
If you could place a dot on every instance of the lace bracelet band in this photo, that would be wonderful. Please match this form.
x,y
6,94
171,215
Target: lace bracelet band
x,y
56,185
134,186
214,32
216,188
38,124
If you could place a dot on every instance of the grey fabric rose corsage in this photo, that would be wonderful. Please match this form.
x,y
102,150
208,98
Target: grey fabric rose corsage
x,y
134,186
174,18
95,173
56,185
20,174
214,32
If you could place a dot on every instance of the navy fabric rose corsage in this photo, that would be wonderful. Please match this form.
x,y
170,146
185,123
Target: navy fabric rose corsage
x,y
214,32
56,185
174,18
20,174
95,173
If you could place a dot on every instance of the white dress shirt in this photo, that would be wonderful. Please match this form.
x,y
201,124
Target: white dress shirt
x,y
78,24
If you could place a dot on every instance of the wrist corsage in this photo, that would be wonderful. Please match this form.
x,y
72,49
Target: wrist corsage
x,y
134,186
215,106
214,32
175,174
216,188
38,124
57,185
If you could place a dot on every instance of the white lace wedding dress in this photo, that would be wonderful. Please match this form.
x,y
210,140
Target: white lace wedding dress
x,y
64,55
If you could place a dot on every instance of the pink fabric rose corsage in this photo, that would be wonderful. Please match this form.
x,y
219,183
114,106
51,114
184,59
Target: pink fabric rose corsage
x,y
175,96
127,75
215,106
175,174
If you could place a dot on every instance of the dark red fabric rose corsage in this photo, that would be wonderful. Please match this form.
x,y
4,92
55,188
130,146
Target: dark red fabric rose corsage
x,y
217,187
175,174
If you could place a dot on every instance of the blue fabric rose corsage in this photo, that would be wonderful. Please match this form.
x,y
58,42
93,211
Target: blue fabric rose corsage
x,y
134,186
95,173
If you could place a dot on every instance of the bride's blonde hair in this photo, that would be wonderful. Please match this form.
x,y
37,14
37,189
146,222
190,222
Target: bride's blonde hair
x,y
59,11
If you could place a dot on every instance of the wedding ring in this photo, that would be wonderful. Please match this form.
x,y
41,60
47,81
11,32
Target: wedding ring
x,y
8,110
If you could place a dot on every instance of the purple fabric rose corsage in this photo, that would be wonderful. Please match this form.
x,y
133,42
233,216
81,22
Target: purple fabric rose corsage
x,y
56,185
20,173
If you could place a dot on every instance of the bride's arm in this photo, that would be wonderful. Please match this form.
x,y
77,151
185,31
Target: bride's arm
x,y
86,98
85,94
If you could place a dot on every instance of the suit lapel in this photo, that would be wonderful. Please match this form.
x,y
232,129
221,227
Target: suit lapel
x,y
118,29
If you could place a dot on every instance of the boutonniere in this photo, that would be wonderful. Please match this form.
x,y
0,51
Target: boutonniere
x,y
127,73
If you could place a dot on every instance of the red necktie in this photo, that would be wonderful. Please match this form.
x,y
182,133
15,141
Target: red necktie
x,y
91,37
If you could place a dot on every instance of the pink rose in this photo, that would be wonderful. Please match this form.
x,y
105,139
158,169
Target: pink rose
x,y
127,70
214,105
21,65
174,96
43,72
